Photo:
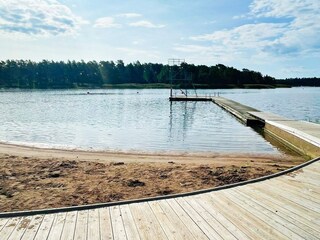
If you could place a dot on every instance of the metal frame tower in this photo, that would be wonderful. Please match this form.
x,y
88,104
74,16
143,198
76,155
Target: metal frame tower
x,y
178,75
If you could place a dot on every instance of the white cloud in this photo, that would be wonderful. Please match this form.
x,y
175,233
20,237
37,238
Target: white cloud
x,y
283,8
106,22
145,24
303,31
193,48
137,53
129,15
110,22
37,18
295,29
245,35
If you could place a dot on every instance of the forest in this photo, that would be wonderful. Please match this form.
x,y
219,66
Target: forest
x,y
26,74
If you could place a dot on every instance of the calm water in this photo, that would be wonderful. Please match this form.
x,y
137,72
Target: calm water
x,y
124,120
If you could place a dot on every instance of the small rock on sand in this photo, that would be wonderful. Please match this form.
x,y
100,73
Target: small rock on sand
x,y
54,174
117,163
135,183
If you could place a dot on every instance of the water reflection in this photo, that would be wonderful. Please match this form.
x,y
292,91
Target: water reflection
x,y
123,120
181,114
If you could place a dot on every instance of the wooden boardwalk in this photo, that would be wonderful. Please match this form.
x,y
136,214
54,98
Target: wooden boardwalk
x,y
283,207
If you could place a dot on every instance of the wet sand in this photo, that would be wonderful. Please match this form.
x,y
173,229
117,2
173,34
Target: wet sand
x,y
34,178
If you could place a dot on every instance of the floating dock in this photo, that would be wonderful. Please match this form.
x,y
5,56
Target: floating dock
x,y
302,137
273,207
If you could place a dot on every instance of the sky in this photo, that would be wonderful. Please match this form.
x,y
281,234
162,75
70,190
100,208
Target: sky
x,y
280,38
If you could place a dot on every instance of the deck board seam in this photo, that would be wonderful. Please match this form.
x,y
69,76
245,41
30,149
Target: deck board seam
x,y
203,218
261,216
227,229
286,199
51,226
158,221
247,215
277,221
280,207
289,196
124,227
190,217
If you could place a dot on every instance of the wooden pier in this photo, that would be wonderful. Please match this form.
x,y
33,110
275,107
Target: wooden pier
x,y
238,110
302,137
282,207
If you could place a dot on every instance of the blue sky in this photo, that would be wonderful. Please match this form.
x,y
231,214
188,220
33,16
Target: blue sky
x,y
278,38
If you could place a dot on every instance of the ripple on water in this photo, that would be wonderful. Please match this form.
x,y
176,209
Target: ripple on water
x,y
122,120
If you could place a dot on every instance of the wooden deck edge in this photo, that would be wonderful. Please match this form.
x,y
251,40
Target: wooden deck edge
x,y
231,111
295,142
246,119
191,99
109,204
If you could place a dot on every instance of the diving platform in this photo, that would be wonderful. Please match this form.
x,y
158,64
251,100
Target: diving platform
x,y
191,99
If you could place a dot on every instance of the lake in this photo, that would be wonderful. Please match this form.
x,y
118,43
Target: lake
x,y
144,120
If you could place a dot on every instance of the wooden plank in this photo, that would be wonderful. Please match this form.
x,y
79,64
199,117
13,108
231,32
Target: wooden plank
x,y
313,172
57,226
117,223
307,190
283,202
187,220
147,224
93,224
69,226
20,229
206,228
243,220
207,203
298,193
3,222
313,168
45,227
81,229
275,225
105,224
303,180
310,176
298,220
33,227
128,222
292,180
9,227
171,231
216,225
176,221
291,197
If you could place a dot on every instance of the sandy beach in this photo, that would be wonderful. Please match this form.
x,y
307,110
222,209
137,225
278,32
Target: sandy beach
x,y
36,178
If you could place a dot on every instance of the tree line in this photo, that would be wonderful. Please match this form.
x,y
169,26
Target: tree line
x,y
79,74
297,82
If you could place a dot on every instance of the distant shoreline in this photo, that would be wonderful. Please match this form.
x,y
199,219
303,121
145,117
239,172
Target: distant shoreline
x,y
159,86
